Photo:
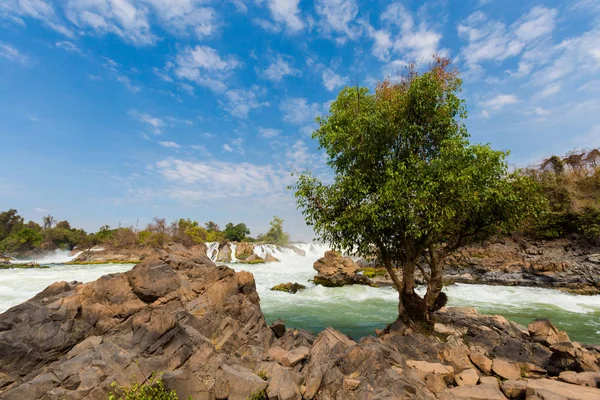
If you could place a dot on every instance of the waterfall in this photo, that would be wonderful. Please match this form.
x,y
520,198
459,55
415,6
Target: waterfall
x,y
212,250
233,246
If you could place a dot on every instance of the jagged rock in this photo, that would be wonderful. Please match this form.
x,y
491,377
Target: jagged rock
x,y
590,379
177,312
481,361
595,258
224,253
293,357
289,287
506,370
423,369
490,381
254,259
468,377
571,356
479,392
278,328
543,389
237,383
284,383
335,270
351,384
271,258
244,250
514,389
542,331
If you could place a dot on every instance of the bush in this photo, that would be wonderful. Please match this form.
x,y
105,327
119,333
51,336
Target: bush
x,y
152,389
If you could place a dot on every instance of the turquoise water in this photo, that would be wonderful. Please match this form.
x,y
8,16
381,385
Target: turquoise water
x,y
355,310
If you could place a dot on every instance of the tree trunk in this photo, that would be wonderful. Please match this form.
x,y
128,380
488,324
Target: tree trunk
x,y
387,262
434,298
413,307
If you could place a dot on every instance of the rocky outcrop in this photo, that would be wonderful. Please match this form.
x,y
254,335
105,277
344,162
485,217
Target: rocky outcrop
x,y
244,250
335,270
119,255
224,253
201,325
288,287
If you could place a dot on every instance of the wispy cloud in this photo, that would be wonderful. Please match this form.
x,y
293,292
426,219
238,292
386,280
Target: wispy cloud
x,y
12,54
170,145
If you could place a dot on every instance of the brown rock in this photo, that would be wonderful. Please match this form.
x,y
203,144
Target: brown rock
x,y
548,389
481,361
479,392
514,389
278,328
335,270
237,383
506,370
590,379
542,331
271,258
423,368
351,384
490,381
244,250
468,377
253,258
291,358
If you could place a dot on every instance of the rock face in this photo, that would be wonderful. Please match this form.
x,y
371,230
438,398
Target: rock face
x,y
126,255
289,287
335,270
244,250
177,312
201,325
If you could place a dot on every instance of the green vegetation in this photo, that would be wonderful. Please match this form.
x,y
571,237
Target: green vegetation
x,y
152,389
288,287
263,375
18,237
408,184
260,395
371,272
572,186
275,235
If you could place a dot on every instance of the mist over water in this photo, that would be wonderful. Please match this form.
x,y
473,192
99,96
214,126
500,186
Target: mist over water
x,y
355,310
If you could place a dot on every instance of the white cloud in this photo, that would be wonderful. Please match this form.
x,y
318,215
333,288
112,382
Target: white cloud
x,y
41,210
181,16
128,84
285,13
489,40
240,102
549,90
42,10
269,133
298,110
170,145
403,37
338,16
540,111
69,46
499,101
227,147
279,69
204,65
331,80
12,54
155,124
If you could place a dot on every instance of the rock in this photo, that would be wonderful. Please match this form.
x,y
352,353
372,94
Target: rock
x,y
423,368
289,287
237,383
335,270
293,357
542,331
514,389
351,384
506,370
244,250
571,356
481,361
224,253
468,377
590,379
490,381
284,383
448,330
543,389
479,392
278,328
271,258
595,258
253,259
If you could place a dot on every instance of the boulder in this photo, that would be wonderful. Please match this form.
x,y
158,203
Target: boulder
x,y
253,259
590,379
468,377
278,328
244,250
335,270
237,383
288,287
542,331
481,361
549,389
490,381
571,356
479,392
506,370
423,368
271,258
514,389
293,357
224,253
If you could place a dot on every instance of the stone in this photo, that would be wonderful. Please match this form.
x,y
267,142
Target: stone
x,y
288,287
542,331
278,328
514,389
448,330
547,389
481,361
590,379
271,258
293,357
423,368
244,250
284,383
505,369
489,381
351,384
595,258
334,270
468,377
253,259
237,383
479,392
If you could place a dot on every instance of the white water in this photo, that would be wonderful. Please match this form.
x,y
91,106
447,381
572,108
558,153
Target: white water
x,y
212,250
356,310
57,257
233,246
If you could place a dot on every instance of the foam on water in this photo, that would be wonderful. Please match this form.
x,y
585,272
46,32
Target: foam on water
x,y
57,257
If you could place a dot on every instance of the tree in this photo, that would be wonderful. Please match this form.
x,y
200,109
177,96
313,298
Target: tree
x,y
236,233
212,226
49,221
408,186
275,235
10,221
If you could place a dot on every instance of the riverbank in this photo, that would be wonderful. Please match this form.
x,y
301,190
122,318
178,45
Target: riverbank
x,y
181,314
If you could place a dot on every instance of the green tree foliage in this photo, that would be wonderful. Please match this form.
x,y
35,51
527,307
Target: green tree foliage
x,y
275,235
236,233
152,389
407,183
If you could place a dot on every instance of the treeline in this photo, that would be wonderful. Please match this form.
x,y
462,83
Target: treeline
x,y
571,185
16,236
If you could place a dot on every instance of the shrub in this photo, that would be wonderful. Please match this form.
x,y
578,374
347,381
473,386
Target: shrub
x,y
152,389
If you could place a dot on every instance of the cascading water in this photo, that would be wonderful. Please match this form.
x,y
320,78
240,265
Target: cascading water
x,y
57,257
233,246
212,250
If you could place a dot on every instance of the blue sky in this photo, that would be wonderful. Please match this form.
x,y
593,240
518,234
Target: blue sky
x,y
115,111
